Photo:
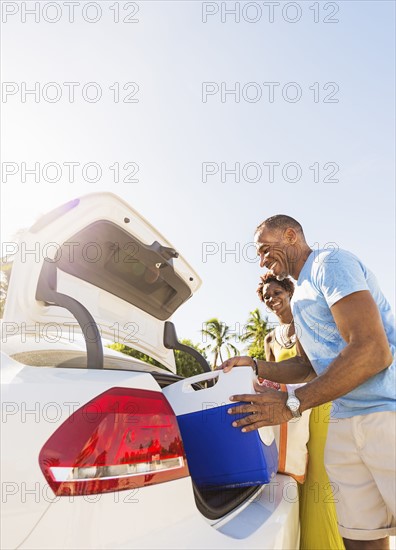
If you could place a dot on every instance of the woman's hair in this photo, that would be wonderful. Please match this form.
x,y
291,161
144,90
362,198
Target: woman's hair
x,y
287,284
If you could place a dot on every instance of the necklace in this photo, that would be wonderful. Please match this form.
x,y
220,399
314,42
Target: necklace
x,y
285,340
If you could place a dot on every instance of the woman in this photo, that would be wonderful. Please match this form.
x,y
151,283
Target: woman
x,y
318,518
280,344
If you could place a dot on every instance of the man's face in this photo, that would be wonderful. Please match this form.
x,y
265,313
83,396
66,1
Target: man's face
x,y
272,249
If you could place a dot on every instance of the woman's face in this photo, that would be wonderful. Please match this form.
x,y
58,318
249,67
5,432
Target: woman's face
x,y
276,298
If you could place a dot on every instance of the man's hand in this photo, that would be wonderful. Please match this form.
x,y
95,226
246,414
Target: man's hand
x,y
267,409
240,361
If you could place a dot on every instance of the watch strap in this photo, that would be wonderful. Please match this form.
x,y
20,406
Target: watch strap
x,y
255,365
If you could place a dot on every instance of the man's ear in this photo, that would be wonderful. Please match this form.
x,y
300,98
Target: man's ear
x,y
290,235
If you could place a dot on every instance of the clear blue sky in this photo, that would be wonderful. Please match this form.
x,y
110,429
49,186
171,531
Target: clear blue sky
x,y
170,132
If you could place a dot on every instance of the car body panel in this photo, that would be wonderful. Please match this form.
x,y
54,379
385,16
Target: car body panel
x,y
100,521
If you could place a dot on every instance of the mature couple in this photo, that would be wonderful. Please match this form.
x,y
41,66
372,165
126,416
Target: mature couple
x,y
345,352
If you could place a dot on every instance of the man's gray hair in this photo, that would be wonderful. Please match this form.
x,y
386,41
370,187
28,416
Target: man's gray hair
x,y
280,222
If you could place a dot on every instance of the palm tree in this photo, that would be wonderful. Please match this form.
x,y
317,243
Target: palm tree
x,y
255,332
220,335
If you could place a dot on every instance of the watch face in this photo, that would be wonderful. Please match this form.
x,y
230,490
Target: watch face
x,y
293,403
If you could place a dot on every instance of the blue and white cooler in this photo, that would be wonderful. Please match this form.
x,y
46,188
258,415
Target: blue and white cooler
x,y
217,453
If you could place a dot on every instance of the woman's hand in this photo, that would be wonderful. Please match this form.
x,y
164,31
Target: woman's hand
x,y
239,361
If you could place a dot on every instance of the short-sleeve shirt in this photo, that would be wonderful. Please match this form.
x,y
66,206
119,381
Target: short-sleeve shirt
x,y
326,278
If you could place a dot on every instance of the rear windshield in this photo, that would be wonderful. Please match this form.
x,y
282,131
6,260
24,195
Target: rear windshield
x,y
78,359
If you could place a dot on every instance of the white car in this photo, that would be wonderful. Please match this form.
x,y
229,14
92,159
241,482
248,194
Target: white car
x,y
91,453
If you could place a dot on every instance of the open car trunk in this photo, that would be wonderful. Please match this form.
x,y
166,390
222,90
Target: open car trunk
x,y
213,504
101,270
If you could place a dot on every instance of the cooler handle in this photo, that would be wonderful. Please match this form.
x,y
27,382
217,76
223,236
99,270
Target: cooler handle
x,y
187,385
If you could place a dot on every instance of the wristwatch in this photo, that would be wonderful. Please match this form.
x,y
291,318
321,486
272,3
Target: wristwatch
x,y
293,403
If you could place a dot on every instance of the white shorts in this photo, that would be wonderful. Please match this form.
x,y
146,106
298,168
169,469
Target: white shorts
x,y
360,459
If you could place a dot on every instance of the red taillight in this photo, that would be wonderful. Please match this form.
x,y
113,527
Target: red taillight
x,y
122,439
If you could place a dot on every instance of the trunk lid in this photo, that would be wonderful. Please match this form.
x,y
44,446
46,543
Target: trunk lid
x,y
100,252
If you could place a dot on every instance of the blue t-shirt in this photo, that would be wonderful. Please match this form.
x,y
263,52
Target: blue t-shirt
x,y
325,278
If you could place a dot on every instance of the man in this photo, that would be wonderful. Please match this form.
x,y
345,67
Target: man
x,y
346,343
